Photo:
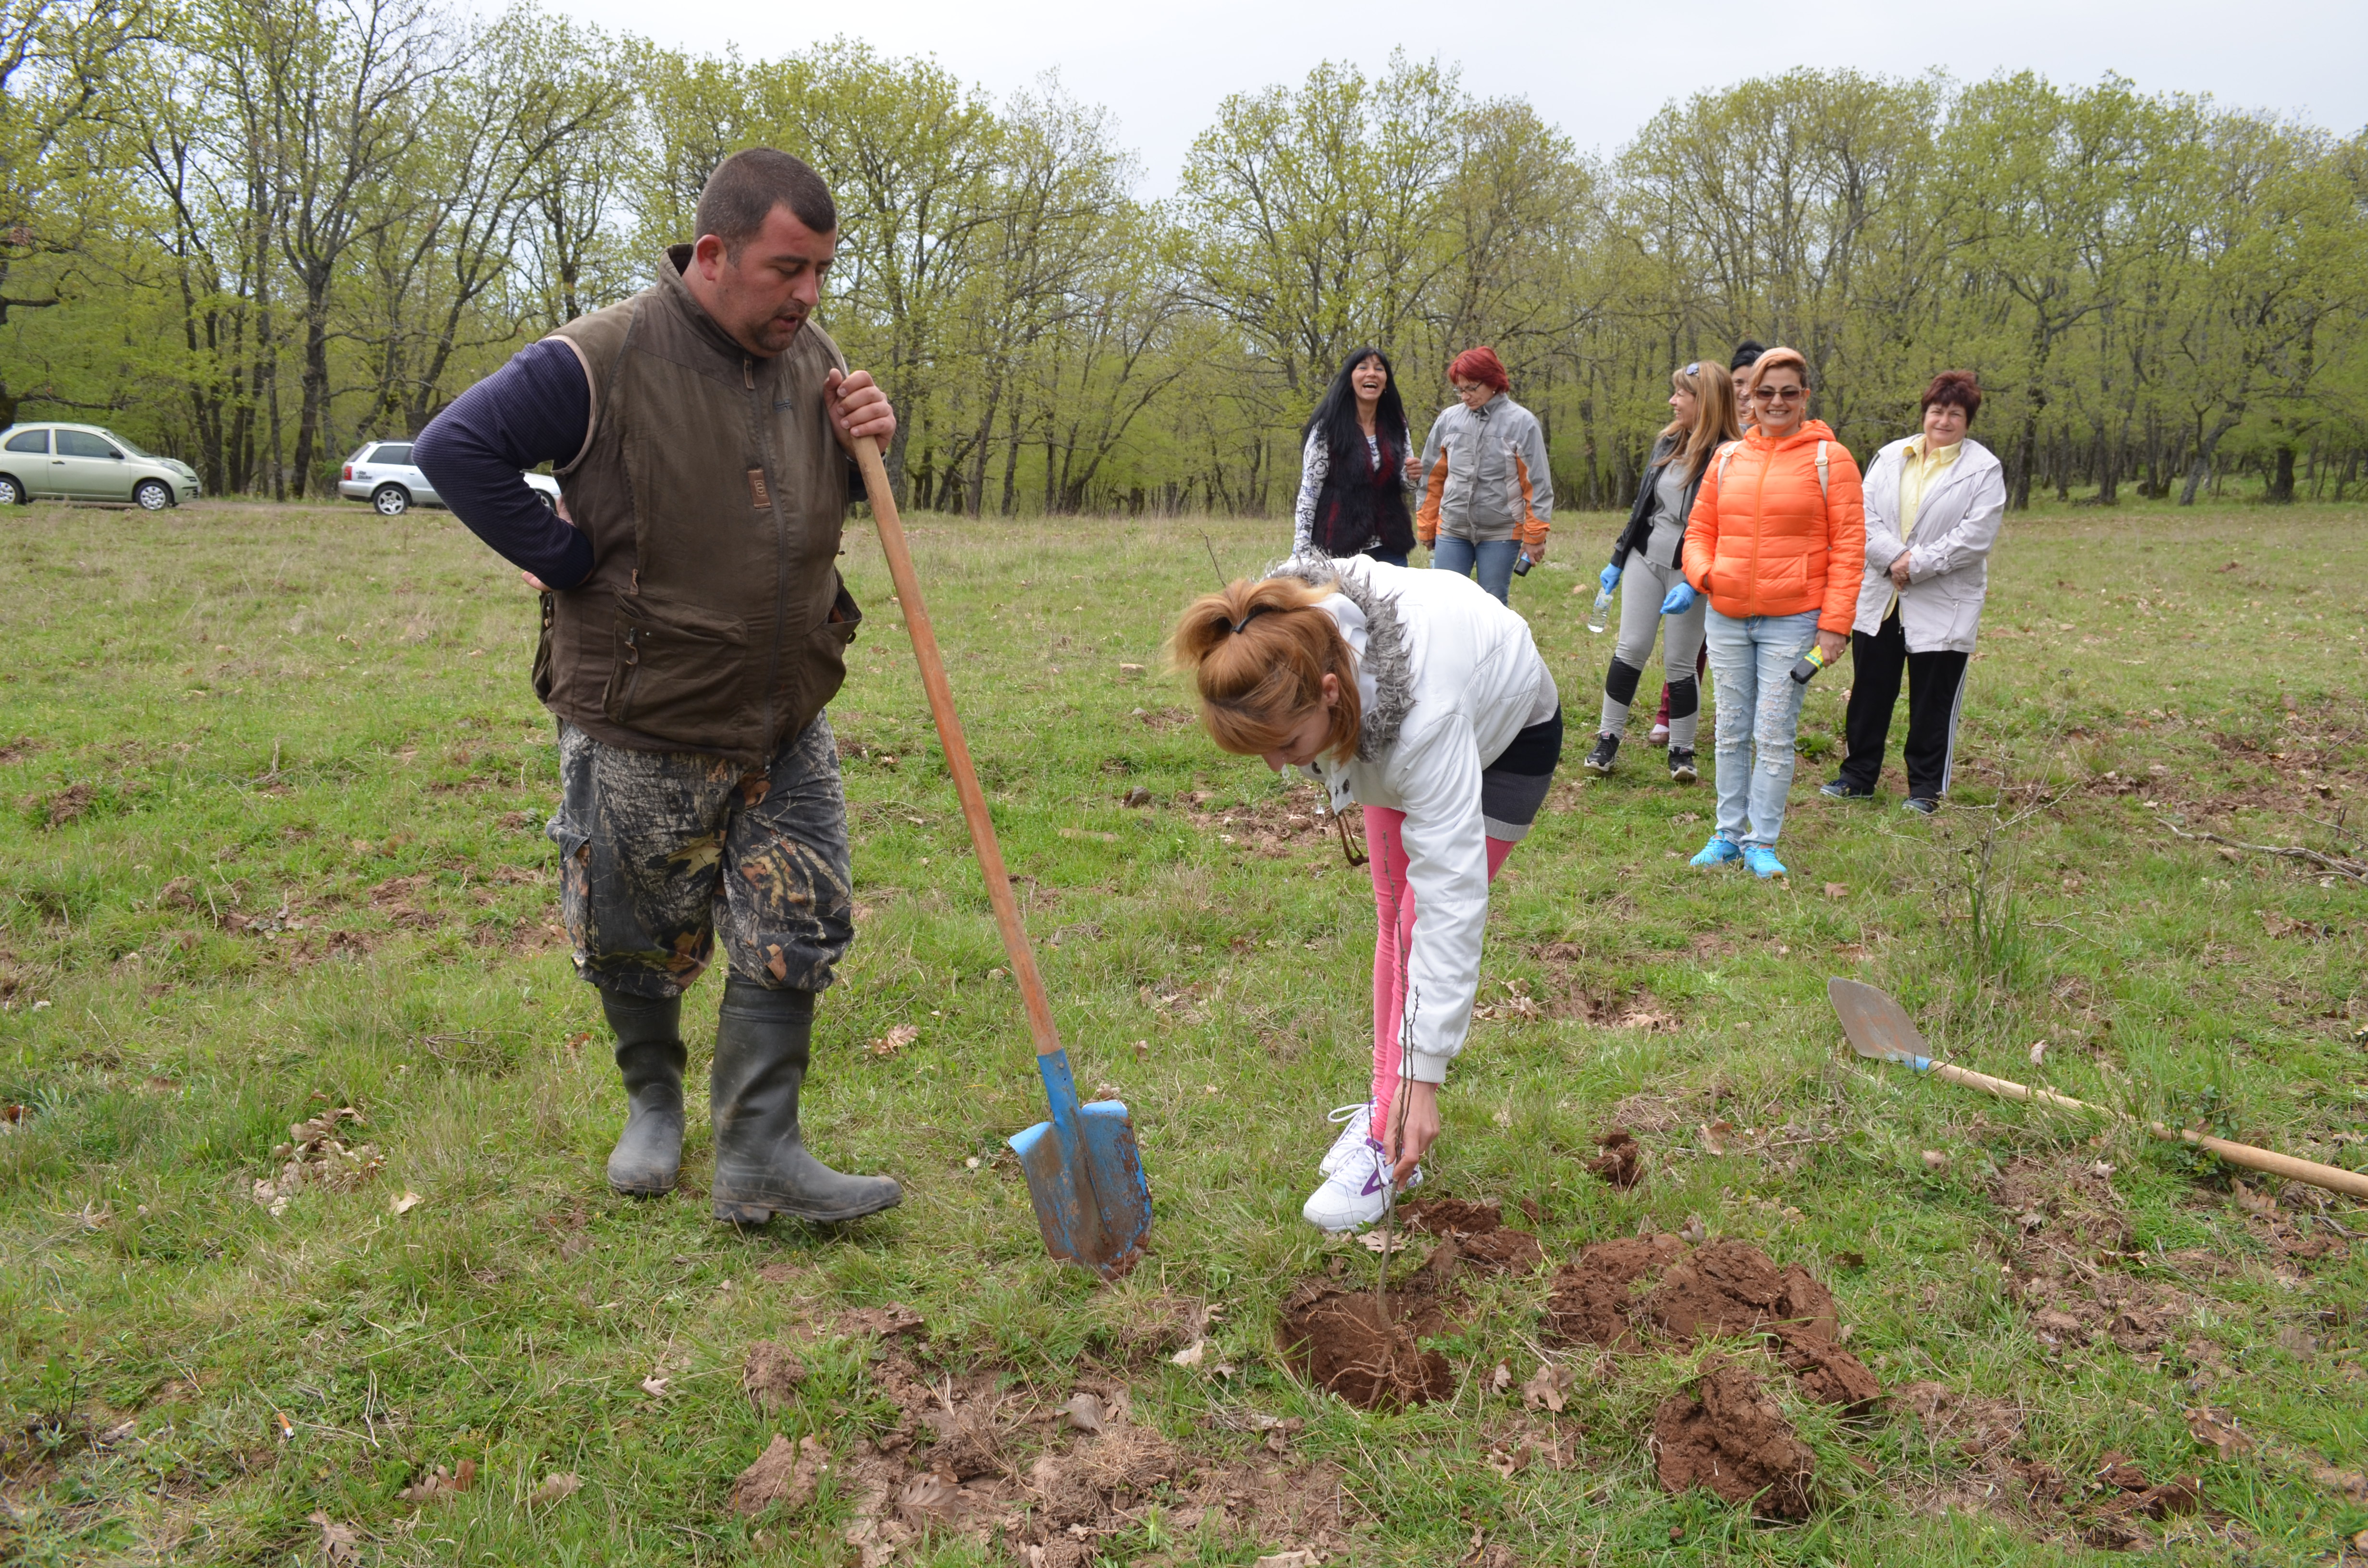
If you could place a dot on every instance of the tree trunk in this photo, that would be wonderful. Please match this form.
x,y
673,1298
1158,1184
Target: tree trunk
x,y
2281,482
2026,458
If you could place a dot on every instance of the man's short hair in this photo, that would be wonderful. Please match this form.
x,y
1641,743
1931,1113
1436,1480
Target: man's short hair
x,y
746,187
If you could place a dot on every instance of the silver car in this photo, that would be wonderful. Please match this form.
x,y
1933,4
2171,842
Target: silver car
x,y
381,474
89,462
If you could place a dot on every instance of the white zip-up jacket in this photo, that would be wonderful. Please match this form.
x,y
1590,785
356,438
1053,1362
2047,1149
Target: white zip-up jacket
x,y
1957,525
1448,676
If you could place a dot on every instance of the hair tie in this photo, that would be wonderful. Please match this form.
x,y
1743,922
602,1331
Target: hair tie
x,y
1252,616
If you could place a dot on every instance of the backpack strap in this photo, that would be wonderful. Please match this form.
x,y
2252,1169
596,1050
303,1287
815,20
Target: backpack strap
x,y
1725,456
1822,494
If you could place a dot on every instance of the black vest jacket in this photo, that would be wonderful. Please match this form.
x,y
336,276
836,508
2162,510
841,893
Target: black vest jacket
x,y
1360,503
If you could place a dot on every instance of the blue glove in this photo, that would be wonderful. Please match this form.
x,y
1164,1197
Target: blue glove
x,y
1609,579
1681,599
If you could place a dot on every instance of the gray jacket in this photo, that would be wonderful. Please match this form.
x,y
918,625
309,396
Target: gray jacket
x,y
1948,554
1484,475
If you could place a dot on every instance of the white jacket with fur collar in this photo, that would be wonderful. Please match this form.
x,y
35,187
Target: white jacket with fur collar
x,y
1448,676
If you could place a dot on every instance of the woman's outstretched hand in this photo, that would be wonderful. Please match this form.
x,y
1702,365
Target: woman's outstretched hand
x,y
1409,1132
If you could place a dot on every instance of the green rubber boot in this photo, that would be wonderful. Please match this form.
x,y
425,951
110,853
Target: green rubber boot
x,y
761,1165
648,1156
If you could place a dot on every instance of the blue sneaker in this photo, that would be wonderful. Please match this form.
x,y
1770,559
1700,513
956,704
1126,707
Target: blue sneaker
x,y
1762,860
1717,852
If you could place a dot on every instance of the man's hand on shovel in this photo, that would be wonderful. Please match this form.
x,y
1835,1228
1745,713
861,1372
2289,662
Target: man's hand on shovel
x,y
858,407
1413,1130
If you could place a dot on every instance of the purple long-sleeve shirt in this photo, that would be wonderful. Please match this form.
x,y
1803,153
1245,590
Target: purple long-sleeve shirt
x,y
532,411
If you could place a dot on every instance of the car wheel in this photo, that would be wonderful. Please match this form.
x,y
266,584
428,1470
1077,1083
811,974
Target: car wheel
x,y
11,493
390,500
152,495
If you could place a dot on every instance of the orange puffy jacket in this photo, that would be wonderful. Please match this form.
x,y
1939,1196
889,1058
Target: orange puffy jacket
x,y
1762,539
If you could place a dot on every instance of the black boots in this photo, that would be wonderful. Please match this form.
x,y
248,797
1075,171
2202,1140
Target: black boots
x,y
650,1055
761,1165
1599,761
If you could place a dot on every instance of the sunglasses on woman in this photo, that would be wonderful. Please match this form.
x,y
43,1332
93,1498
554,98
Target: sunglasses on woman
x,y
1777,394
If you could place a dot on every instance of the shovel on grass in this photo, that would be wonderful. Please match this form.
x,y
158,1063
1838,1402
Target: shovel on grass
x,y
1084,1174
1881,1031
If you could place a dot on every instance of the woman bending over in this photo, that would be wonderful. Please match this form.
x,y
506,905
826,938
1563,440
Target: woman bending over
x,y
1420,698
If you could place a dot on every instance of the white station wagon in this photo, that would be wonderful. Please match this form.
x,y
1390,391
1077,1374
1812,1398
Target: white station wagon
x,y
381,474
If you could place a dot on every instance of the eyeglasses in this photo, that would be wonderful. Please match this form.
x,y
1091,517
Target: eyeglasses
x,y
1777,394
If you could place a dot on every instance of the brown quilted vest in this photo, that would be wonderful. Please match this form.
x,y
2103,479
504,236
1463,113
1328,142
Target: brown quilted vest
x,y
713,492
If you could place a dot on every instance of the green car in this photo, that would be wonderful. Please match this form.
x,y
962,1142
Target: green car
x,y
88,462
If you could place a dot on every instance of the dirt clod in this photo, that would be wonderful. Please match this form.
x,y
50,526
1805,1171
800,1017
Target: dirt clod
x,y
1622,1161
770,1376
1730,1287
1479,1235
1730,1437
1589,1301
783,1474
1339,1339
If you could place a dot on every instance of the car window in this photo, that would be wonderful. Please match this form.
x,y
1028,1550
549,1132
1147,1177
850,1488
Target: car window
x,y
82,444
29,441
128,449
392,452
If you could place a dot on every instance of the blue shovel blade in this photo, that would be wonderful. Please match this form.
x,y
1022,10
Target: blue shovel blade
x,y
1094,1207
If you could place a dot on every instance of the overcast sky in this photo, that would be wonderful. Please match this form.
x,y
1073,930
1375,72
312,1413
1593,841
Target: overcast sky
x,y
1598,70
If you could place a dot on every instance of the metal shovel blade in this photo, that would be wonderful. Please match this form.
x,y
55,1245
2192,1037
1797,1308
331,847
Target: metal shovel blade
x,y
1084,1176
1877,1025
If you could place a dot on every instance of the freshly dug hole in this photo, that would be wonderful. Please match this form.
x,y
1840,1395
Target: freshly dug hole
x,y
1340,1340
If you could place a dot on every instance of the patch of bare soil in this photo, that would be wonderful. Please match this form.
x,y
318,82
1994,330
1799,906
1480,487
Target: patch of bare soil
x,y
1622,1161
1728,1436
1272,825
1611,1008
68,805
2069,1237
397,898
1477,1234
1343,1341
1727,1287
19,749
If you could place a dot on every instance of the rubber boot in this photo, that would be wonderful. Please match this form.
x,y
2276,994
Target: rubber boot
x,y
650,1056
761,1165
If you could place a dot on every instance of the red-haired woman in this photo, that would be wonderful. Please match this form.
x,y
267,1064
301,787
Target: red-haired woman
x,y
1417,696
1934,504
1488,494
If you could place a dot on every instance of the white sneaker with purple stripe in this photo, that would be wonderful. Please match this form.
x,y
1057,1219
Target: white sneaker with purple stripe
x,y
1352,1194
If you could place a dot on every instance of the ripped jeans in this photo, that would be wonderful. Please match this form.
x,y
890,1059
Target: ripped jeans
x,y
1759,715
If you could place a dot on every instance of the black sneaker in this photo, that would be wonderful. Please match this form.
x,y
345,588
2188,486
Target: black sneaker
x,y
1599,761
1682,766
1839,790
1920,805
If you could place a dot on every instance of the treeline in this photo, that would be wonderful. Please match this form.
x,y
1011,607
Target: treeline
x,y
255,233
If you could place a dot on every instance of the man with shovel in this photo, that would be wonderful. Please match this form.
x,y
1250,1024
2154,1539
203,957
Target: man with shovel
x,y
693,627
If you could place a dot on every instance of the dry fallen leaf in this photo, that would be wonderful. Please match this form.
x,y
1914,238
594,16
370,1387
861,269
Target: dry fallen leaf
x,y
2038,1052
1085,1411
895,1039
1304,1557
1714,1137
406,1203
1546,1387
1935,1160
2253,1202
563,1484
1503,1377
1192,1355
655,1386
441,1485
340,1546
1837,890
2216,1429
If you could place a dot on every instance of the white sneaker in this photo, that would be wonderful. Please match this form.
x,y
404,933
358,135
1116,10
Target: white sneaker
x,y
1353,1194
1359,1119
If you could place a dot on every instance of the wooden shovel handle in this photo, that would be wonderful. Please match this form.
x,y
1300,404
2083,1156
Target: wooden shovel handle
x,y
950,732
2334,1178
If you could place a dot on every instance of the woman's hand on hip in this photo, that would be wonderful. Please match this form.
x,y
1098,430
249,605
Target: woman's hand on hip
x,y
1833,643
1413,1128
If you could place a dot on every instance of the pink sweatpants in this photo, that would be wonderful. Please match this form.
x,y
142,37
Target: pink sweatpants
x,y
1394,902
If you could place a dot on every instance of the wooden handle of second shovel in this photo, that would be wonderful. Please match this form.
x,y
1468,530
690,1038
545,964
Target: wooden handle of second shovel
x,y
2334,1178
950,733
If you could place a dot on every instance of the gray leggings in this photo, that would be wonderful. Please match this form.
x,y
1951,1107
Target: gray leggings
x,y
1643,586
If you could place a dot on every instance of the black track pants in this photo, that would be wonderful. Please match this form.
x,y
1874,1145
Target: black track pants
x,y
1936,689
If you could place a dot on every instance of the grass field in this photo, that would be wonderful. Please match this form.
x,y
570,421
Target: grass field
x,y
270,812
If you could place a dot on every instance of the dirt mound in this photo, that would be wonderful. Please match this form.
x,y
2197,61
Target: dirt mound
x,y
1622,1161
771,1375
1829,1374
1729,1437
1731,1287
1477,1234
1341,1340
1589,1299
784,1474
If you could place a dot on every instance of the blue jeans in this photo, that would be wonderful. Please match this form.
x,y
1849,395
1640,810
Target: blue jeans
x,y
1752,665
1495,558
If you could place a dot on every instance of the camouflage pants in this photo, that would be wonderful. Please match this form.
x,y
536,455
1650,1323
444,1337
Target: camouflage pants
x,y
661,848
